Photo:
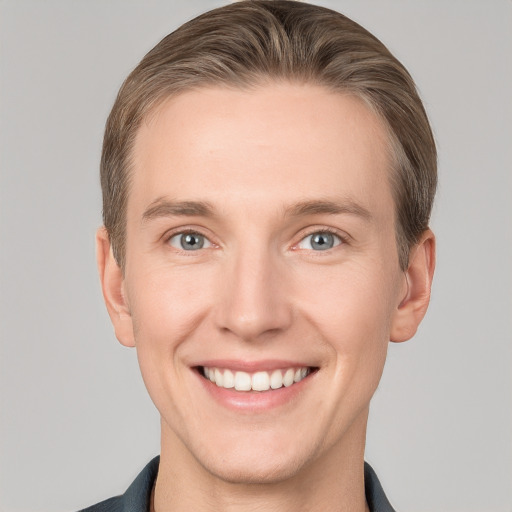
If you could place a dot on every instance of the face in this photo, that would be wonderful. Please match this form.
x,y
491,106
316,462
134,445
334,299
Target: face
x,y
262,278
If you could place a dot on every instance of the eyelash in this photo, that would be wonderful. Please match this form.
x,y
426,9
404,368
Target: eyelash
x,y
321,229
343,239
190,231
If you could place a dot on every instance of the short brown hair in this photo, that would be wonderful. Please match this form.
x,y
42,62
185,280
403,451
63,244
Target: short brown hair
x,y
251,41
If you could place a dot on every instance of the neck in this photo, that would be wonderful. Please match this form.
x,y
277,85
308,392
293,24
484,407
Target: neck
x,y
333,482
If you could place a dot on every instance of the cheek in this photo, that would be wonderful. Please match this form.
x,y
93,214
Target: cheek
x,y
167,302
369,316
166,307
352,311
352,300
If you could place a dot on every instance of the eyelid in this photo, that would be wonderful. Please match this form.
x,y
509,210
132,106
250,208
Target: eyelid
x,y
206,244
304,233
342,236
168,235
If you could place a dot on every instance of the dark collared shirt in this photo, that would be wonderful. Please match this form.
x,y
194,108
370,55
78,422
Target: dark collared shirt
x,y
137,497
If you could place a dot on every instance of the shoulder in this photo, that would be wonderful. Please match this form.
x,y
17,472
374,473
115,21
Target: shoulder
x,y
110,505
137,496
375,496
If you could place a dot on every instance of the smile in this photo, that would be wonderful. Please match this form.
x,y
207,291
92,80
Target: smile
x,y
257,381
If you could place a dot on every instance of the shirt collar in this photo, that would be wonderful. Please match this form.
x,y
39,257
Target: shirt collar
x,y
138,495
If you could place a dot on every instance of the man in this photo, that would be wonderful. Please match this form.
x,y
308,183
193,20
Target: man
x,y
268,173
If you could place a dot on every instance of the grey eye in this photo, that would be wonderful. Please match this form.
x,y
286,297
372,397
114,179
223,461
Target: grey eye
x,y
320,241
189,241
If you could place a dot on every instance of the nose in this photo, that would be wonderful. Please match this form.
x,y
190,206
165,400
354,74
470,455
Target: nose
x,y
254,299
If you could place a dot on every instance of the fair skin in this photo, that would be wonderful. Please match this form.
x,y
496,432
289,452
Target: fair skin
x,y
261,239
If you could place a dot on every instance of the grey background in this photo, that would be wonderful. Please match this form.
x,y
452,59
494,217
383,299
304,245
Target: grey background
x,y
76,424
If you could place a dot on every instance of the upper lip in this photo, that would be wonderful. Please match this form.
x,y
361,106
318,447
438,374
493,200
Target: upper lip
x,y
252,366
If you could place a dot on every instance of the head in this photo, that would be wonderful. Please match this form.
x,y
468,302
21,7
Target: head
x,y
268,172
254,42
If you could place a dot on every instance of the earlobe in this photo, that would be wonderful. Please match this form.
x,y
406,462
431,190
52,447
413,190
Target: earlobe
x,y
417,284
112,285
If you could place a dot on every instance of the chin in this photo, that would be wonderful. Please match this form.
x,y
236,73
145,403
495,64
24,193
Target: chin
x,y
262,459
252,472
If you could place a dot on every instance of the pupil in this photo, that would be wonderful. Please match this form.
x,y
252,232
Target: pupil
x,y
322,241
192,241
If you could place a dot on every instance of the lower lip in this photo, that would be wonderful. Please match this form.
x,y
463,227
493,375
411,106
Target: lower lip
x,y
254,401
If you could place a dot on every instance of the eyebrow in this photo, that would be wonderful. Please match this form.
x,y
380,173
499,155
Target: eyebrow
x,y
166,208
347,206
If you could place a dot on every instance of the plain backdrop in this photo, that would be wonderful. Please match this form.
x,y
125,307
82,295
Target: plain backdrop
x,y
76,423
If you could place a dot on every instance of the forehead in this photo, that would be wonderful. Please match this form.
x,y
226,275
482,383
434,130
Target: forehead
x,y
274,144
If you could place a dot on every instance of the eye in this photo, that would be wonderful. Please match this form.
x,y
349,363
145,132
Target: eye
x,y
320,241
189,241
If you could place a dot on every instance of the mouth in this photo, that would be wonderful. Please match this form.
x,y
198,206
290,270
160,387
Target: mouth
x,y
259,381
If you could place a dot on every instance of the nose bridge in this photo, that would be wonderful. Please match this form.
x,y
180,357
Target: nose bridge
x,y
255,301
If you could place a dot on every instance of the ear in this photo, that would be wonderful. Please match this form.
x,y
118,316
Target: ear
x,y
417,284
112,285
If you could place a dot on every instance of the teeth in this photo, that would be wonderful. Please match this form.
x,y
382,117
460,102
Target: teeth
x,y
288,377
219,377
276,379
242,381
259,381
229,379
